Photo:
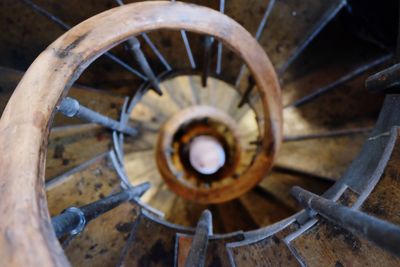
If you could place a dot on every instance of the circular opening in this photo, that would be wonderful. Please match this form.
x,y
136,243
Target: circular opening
x,y
206,154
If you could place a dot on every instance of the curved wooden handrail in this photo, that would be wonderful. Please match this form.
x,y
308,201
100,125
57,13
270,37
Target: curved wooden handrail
x,y
26,236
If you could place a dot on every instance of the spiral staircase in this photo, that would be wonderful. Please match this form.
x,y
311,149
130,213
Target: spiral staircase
x,y
206,133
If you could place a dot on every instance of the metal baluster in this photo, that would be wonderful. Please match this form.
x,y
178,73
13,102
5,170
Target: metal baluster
x,y
208,43
313,33
65,26
71,107
156,51
329,134
134,46
257,36
220,46
382,233
386,80
198,249
73,220
355,73
250,85
187,46
188,49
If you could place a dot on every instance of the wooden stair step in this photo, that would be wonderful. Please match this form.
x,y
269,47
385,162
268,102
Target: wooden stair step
x,y
328,113
216,254
184,212
266,251
264,209
278,184
85,184
152,242
228,215
326,157
70,146
326,244
292,25
102,241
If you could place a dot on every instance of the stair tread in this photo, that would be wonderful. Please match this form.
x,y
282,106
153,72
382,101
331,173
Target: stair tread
x,y
326,244
331,161
216,254
140,166
152,243
292,24
267,251
164,199
278,184
104,238
328,112
227,214
263,209
184,212
92,182
73,145
326,74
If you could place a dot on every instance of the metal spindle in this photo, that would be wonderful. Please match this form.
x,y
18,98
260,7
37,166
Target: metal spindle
x,y
260,30
382,233
250,85
198,250
134,45
41,11
329,134
388,79
156,51
73,220
71,107
355,73
312,34
208,43
219,47
188,49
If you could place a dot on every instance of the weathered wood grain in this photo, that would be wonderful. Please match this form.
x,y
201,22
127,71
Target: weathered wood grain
x,y
24,125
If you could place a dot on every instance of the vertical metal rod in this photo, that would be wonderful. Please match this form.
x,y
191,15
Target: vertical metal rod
x,y
382,233
187,46
328,16
71,107
250,85
355,73
219,48
188,49
257,36
156,51
208,43
198,250
140,57
73,220
387,79
329,134
41,11
134,46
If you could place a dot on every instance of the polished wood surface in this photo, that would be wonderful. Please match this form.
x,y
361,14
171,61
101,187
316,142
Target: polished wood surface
x,y
26,237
